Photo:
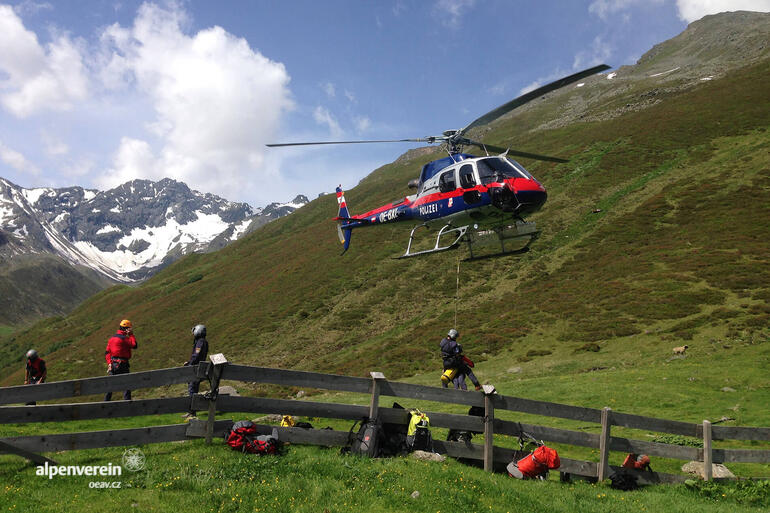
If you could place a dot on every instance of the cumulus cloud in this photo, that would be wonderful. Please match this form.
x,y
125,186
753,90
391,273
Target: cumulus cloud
x,y
692,10
16,160
216,102
38,78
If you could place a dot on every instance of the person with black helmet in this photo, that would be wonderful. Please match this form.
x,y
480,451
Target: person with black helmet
x,y
118,353
200,350
452,358
35,372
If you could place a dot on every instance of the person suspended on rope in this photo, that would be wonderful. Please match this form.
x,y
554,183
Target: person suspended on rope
x,y
456,365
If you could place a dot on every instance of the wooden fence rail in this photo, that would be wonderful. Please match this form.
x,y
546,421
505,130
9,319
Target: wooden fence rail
x,y
492,456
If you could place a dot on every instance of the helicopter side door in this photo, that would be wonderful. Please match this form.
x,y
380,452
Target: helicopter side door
x,y
468,181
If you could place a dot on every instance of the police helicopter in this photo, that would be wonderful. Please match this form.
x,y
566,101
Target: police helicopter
x,y
470,199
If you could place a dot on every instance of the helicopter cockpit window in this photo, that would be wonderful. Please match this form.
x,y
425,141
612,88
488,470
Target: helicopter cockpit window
x,y
496,168
467,178
447,181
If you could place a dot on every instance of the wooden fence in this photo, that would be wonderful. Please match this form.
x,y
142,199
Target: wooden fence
x,y
493,457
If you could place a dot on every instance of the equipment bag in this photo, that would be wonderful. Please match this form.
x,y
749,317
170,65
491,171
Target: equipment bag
x,y
536,464
418,437
448,375
367,441
243,437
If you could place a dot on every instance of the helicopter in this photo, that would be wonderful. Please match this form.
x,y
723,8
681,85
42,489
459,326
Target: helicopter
x,y
470,199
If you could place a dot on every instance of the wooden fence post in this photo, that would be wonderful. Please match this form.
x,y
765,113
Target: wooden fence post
x,y
219,362
374,404
707,456
489,419
604,445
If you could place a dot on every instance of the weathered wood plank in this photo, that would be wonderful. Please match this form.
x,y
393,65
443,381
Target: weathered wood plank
x,y
198,428
436,394
84,411
740,456
679,452
547,409
97,439
93,386
604,444
284,407
323,437
582,439
293,378
31,456
739,433
657,425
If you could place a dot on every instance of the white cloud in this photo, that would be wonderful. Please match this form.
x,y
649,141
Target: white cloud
x,y
16,160
53,145
322,116
350,96
451,11
599,52
328,88
692,10
38,78
362,123
604,8
30,7
216,102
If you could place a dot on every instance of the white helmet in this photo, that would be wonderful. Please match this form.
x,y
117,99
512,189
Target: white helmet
x,y
32,354
199,331
453,334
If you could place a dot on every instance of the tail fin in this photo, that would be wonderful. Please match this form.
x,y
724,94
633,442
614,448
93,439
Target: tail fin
x,y
344,233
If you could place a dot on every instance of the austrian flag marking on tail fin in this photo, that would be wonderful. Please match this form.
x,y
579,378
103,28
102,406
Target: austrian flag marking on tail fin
x,y
343,219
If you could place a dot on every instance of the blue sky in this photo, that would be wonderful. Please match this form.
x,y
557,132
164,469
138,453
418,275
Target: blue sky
x,y
98,93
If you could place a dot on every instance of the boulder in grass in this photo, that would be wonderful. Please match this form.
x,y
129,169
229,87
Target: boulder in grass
x,y
717,469
428,456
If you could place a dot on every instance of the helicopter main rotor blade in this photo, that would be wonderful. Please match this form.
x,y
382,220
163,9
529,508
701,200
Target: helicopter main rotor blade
x,y
521,100
517,153
421,139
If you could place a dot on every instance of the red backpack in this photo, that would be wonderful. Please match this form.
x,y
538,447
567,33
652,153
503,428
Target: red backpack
x,y
243,437
539,462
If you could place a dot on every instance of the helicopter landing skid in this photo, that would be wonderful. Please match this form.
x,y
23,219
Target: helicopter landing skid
x,y
445,230
531,236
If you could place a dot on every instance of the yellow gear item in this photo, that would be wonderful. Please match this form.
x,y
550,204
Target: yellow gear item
x,y
287,421
448,375
125,323
418,419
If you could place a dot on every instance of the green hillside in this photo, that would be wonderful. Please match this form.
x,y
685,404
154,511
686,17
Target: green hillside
x,y
678,254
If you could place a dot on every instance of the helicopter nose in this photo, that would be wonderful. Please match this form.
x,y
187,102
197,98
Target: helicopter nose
x,y
531,201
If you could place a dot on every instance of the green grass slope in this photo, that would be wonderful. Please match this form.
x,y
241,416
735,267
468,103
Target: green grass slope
x,y
677,255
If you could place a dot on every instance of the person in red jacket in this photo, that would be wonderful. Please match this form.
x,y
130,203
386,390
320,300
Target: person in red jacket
x,y
35,372
118,353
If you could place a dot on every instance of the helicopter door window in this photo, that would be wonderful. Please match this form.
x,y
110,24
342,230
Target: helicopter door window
x,y
467,178
447,182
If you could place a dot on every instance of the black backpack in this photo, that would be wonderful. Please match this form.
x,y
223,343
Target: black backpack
x,y
367,441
